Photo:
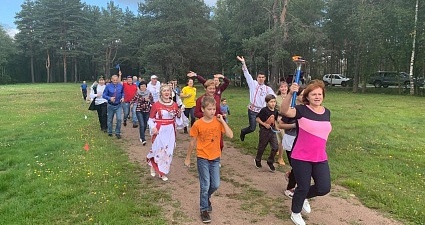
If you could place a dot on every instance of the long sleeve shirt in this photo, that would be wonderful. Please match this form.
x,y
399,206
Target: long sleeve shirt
x,y
198,111
218,90
257,92
99,90
113,90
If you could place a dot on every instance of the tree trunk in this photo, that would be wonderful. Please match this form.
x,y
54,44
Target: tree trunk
x,y
412,58
75,71
32,69
48,66
64,68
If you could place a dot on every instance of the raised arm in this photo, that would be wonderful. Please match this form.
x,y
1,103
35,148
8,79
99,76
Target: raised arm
x,y
247,75
225,83
201,79
285,108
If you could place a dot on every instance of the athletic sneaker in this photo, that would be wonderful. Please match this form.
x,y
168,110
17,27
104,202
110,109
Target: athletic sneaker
x,y
257,164
271,167
297,219
289,193
205,217
306,206
143,142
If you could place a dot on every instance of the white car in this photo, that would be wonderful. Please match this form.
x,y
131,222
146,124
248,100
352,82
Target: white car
x,y
335,79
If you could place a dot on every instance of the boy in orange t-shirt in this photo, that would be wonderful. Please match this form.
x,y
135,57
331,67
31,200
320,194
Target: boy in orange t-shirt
x,y
206,134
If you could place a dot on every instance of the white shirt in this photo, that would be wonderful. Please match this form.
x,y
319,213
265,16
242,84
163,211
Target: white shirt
x,y
257,92
154,90
99,89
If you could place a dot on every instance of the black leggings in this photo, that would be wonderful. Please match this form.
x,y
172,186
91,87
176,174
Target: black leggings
x,y
303,172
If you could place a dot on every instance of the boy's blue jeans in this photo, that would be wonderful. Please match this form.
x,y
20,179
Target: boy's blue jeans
x,y
209,179
127,108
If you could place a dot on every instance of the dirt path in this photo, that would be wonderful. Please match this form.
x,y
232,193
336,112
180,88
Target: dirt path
x,y
246,195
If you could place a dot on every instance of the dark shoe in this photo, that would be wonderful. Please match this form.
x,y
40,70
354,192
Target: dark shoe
x,y
242,136
118,136
271,167
210,207
110,135
135,125
104,130
257,164
143,142
185,130
125,123
205,217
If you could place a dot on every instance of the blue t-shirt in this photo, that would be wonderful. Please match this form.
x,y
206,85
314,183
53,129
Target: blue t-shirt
x,y
84,87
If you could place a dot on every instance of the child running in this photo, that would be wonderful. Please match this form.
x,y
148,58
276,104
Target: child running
x,y
206,134
266,119
225,111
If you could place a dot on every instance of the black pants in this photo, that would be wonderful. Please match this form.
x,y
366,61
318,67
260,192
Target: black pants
x,y
265,137
190,112
102,115
84,91
303,172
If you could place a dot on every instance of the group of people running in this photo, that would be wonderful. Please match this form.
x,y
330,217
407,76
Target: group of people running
x,y
301,130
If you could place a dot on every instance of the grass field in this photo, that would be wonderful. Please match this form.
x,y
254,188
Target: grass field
x,y
46,177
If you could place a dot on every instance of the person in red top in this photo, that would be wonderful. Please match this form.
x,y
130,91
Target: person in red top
x,y
219,87
209,86
130,90
210,90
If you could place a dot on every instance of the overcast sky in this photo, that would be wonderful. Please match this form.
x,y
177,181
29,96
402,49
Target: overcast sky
x,y
9,8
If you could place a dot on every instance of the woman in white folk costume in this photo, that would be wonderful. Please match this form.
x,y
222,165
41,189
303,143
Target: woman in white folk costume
x,y
164,117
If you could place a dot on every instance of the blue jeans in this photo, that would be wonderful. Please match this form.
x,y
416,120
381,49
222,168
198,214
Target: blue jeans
x,y
112,110
209,179
142,117
127,107
252,122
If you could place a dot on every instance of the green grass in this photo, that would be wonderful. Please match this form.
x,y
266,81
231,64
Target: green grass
x,y
46,177
376,148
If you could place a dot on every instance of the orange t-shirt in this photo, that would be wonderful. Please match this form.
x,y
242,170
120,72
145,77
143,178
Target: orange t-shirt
x,y
208,135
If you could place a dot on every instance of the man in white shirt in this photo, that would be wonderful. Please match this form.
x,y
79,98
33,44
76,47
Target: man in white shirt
x,y
257,94
153,87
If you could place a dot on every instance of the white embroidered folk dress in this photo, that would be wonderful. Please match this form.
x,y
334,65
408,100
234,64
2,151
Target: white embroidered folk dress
x,y
163,117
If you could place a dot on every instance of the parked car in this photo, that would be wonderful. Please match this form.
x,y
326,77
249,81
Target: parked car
x,y
336,79
392,78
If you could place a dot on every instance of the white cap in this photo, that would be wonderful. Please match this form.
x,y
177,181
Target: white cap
x,y
154,77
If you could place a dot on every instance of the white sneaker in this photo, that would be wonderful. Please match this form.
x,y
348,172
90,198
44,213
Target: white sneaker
x,y
153,173
297,219
289,193
164,178
306,206
141,140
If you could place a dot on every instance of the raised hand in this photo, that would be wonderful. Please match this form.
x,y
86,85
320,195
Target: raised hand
x,y
241,59
191,74
218,76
